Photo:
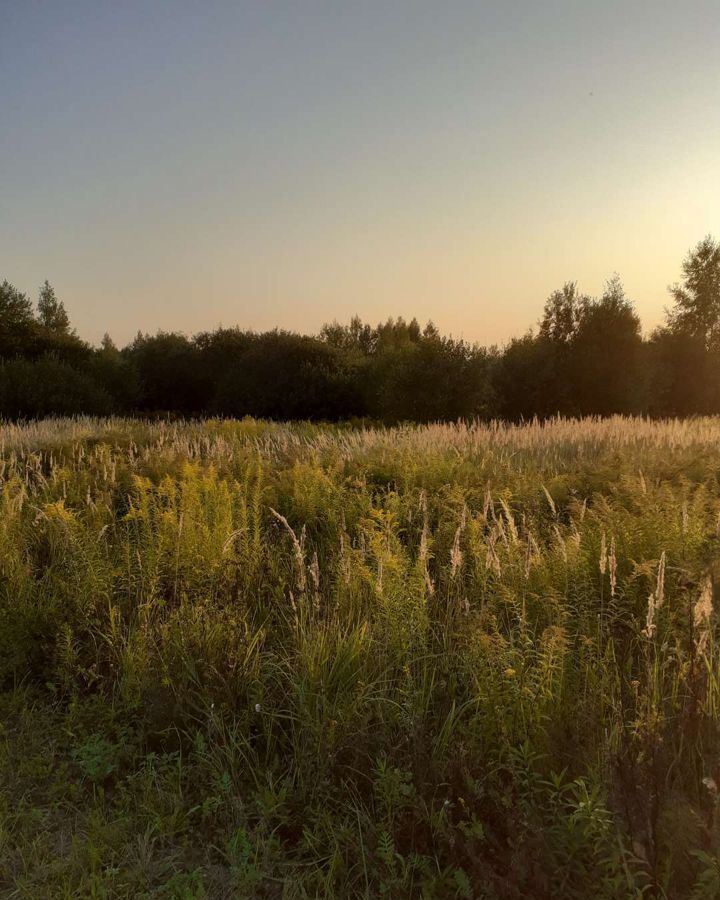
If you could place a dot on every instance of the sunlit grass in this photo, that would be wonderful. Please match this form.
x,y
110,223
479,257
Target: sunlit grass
x,y
242,659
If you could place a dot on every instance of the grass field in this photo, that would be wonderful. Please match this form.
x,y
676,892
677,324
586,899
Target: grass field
x,y
248,660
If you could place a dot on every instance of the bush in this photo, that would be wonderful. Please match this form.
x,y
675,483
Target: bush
x,y
48,387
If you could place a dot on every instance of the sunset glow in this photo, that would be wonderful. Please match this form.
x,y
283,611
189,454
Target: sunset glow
x,y
179,165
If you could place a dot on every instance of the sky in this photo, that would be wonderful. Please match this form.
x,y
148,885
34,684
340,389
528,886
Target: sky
x,y
183,165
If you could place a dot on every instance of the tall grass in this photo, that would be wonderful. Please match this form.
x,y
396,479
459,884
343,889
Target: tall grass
x,y
250,660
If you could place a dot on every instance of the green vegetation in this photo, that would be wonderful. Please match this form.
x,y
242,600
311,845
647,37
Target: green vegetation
x,y
588,357
248,660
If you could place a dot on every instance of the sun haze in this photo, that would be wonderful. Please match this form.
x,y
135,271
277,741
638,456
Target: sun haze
x,y
179,165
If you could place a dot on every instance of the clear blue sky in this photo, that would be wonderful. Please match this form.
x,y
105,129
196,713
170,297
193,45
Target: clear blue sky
x,y
182,165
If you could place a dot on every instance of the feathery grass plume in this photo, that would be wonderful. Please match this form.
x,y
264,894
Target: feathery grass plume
x,y
423,549
702,615
492,560
230,540
456,554
550,500
297,550
528,560
345,564
603,555
424,552
583,510
660,585
429,584
314,571
532,553
612,564
575,535
500,531
488,506
655,599
560,542
510,519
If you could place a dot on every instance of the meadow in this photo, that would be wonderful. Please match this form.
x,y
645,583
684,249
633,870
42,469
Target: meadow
x,y
250,660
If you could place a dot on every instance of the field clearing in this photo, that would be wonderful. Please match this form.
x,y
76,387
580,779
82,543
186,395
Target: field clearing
x,y
243,659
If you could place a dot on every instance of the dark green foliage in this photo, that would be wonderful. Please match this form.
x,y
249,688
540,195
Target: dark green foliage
x,y
562,314
685,375
285,376
48,386
605,355
166,365
51,311
588,357
112,371
435,379
697,299
17,324
524,379
24,335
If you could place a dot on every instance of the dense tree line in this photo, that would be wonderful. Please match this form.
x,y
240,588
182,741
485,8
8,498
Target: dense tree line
x,y
588,356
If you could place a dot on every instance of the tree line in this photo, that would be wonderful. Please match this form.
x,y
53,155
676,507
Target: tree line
x,y
587,356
